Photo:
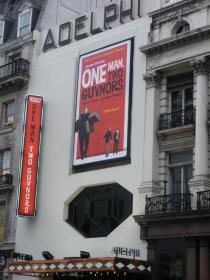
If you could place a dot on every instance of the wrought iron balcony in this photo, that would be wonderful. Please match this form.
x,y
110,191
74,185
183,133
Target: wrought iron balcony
x,y
176,119
6,179
168,203
16,72
203,200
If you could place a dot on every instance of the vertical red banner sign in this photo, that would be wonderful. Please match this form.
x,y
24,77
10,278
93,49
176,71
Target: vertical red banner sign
x,y
30,156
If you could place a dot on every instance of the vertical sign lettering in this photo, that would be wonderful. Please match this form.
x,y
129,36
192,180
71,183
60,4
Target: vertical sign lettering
x,y
30,155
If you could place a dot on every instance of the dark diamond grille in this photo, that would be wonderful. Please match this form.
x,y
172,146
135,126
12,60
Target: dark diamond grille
x,y
98,210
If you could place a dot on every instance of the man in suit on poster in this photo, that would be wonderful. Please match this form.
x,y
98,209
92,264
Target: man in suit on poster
x,y
107,138
116,138
85,126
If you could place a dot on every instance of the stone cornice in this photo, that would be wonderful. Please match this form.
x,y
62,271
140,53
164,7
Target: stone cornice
x,y
174,10
188,223
17,43
7,246
177,40
175,216
28,4
3,17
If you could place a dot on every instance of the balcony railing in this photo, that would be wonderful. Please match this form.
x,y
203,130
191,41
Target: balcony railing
x,y
203,200
176,119
19,67
168,203
6,179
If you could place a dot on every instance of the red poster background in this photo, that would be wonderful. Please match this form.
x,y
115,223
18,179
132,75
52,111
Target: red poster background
x,y
109,104
28,178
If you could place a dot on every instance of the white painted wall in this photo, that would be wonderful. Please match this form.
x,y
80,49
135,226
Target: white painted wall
x,y
54,75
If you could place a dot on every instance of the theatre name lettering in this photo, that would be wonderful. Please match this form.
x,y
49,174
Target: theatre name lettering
x,y
85,23
126,252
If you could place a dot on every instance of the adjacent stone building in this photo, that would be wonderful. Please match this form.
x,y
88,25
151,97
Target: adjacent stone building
x,y
176,161
17,22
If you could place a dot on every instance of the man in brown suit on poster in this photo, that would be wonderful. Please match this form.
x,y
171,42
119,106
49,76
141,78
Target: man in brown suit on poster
x,y
116,138
85,126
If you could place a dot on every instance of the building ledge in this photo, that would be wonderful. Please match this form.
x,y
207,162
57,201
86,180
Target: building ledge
x,y
6,130
182,215
174,224
177,40
7,246
18,80
6,188
17,43
171,8
176,130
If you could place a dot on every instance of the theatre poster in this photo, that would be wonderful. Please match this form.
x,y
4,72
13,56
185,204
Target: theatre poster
x,y
102,120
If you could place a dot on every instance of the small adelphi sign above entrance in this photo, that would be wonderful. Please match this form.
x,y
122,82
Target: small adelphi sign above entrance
x,y
87,25
134,253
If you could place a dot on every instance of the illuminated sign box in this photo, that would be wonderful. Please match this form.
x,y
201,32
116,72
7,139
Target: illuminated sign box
x,y
30,156
102,128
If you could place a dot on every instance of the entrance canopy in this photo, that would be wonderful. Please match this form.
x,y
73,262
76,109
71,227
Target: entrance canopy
x,y
79,267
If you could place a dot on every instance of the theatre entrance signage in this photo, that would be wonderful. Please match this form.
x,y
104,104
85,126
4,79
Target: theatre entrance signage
x,y
87,25
134,253
102,128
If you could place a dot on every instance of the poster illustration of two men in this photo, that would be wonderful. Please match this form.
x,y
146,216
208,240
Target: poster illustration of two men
x,y
102,111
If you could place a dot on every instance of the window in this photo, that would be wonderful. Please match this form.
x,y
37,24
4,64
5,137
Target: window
x,y
24,22
181,99
2,24
171,266
182,27
14,56
8,114
180,171
182,112
180,88
171,259
5,161
2,220
98,210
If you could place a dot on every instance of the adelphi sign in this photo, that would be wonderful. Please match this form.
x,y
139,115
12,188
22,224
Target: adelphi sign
x,y
86,25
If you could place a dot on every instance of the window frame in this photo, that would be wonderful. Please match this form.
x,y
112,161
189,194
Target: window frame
x,y
4,223
3,123
178,164
169,246
8,169
182,90
2,22
22,13
14,56
185,25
